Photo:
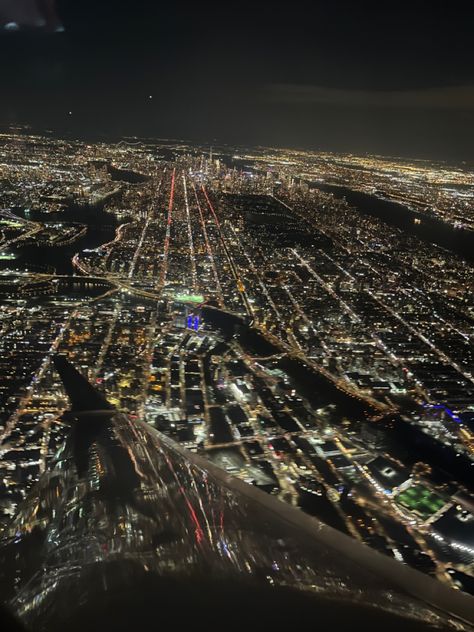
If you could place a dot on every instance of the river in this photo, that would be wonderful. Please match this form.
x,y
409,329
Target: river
x,y
430,229
100,229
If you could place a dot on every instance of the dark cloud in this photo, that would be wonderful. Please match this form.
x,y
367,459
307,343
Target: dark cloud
x,y
445,98
355,76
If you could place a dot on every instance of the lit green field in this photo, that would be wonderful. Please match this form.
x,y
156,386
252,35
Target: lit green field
x,y
189,298
421,500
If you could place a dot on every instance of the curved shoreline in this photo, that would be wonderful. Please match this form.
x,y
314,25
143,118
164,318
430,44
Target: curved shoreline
x,y
430,229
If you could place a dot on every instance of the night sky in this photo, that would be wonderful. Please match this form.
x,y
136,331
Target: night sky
x,y
387,77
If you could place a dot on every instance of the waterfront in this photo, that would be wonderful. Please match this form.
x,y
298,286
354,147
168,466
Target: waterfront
x,y
101,228
421,225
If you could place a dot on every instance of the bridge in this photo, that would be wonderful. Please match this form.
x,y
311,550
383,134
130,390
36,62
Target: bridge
x,y
84,282
22,285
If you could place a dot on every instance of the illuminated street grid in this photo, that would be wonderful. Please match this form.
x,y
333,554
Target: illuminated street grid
x,y
438,190
253,319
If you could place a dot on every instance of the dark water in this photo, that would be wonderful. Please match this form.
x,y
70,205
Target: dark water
x,y
432,230
127,175
320,391
100,229
410,444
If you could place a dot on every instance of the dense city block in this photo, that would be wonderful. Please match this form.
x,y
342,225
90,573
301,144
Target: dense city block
x,y
264,308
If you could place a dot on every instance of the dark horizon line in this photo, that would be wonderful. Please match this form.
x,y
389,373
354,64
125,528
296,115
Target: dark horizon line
x,y
219,141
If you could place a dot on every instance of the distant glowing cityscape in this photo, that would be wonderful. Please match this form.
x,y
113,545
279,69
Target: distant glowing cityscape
x,y
303,320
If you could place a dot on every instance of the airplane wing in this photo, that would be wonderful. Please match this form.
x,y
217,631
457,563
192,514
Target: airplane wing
x,y
128,530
